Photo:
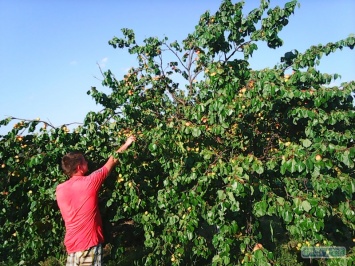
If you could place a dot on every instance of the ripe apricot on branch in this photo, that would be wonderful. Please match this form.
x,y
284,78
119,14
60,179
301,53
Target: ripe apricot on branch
x,y
243,90
257,246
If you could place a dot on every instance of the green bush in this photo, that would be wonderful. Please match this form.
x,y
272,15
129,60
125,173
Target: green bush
x,y
231,158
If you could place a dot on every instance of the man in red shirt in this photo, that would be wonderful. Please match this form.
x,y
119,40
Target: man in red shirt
x,y
77,199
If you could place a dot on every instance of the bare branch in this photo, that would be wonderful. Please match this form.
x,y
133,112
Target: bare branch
x,y
44,122
176,54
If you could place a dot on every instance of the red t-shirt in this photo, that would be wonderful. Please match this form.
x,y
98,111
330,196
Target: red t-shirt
x,y
77,199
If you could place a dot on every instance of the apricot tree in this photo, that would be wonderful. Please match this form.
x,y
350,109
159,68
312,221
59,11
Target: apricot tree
x,y
227,158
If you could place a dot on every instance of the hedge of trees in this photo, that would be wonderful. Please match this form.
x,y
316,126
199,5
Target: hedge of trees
x,y
232,165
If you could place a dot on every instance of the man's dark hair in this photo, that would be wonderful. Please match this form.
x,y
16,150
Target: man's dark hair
x,y
71,161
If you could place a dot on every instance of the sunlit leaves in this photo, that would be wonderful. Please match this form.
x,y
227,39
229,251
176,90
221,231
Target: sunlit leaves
x,y
217,157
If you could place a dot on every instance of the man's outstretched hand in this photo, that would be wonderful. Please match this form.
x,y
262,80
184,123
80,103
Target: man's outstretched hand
x,y
130,140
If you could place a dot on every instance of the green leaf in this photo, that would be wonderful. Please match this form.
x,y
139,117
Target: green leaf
x,y
221,194
196,132
260,208
293,166
109,202
346,159
306,205
259,254
287,215
306,143
152,147
280,200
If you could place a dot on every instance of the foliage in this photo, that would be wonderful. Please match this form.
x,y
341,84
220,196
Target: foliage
x,y
226,156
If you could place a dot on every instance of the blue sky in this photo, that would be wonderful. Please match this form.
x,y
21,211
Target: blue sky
x,y
49,50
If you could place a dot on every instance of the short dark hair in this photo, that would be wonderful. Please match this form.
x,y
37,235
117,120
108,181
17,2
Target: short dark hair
x,y
71,161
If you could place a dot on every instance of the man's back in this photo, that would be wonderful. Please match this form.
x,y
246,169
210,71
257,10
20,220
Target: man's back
x,y
78,203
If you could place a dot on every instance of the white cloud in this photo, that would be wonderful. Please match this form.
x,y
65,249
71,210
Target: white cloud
x,y
73,62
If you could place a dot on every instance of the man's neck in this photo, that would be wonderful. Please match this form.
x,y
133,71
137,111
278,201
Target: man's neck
x,y
79,173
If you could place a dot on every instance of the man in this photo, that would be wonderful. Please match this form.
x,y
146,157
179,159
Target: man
x,y
77,199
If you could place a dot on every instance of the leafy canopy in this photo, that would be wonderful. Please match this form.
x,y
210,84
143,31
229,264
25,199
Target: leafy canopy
x,y
226,156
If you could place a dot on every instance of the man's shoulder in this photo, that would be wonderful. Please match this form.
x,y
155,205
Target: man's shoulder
x,y
62,185
101,171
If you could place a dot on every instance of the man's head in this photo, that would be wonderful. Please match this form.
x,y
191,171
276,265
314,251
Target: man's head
x,y
74,163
